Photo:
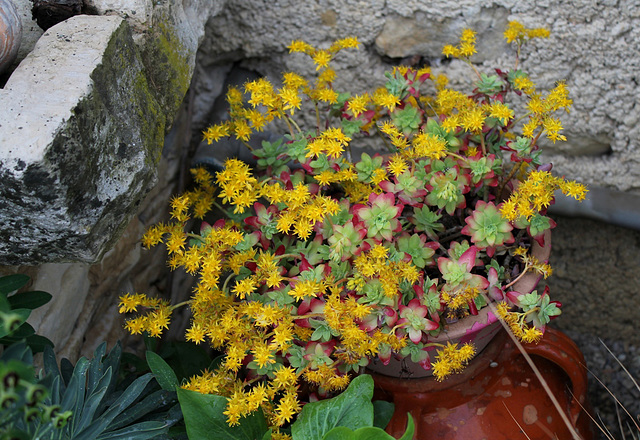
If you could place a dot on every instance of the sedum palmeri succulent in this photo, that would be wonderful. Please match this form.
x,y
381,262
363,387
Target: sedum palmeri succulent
x,y
324,262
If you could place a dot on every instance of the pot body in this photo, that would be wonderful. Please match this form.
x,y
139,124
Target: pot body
x,y
497,396
10,34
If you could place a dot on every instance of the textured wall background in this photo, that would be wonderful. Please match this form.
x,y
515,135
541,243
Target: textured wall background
x,y
594,46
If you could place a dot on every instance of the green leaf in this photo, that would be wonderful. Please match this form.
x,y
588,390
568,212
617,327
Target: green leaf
x,y
73,398
368,433
352,408
351,126
29,300
150,403
411,427
139,431
489,84
204,418
11,283
132,392
38,343
340,433
382,413
11,321
162,372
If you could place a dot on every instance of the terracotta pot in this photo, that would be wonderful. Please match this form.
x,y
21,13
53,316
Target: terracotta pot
x,y
10,34
497,396
479,329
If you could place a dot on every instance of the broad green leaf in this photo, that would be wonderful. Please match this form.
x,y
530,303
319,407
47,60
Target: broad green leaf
x,y
11,283
368,433
29,300
162,372
204,418
4,304
340,433
382,413
351,408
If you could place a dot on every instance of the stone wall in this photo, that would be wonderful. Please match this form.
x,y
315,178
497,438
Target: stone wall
x,y
595,46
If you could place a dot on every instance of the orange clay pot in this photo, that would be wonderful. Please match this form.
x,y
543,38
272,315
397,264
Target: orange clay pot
x,y
497,397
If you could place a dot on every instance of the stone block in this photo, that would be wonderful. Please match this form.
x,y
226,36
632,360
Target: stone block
x,y
80,137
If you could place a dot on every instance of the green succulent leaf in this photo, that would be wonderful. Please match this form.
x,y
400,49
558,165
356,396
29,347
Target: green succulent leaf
x,y
351,126
529,301
367,166
407,119
427,221
489,84
396,84
547,310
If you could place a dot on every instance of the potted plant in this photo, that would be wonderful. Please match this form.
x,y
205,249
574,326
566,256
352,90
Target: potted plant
x,y
326,263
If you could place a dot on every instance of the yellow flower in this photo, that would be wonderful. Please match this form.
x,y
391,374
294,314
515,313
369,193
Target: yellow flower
x,y
293,80
299,46
284,377
216,132
358,104
244,287
195,333
321,59
290,98
326,95
397,165
501,111
473,120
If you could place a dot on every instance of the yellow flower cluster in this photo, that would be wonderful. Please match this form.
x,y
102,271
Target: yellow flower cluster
x,y
465,48
536,193
154,321
517,324
452,359
462,111
376,264
303,211
341,315
541,110
348,174
237,185
331,142
517,32
458,300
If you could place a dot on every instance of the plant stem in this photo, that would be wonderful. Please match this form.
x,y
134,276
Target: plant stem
x,y
508,178
535,369
526,268
183,303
